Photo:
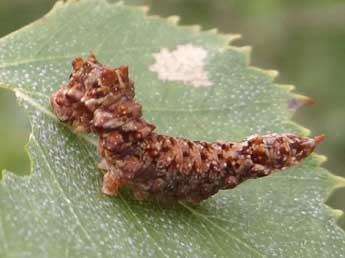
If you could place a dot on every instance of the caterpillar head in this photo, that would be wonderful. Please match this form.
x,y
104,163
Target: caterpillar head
x,y
91,86
100,84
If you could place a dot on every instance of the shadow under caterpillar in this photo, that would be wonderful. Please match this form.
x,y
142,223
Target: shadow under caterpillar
x,y
100,100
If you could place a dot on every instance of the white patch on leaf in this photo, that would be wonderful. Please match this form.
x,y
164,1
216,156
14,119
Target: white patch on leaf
x,y
185,64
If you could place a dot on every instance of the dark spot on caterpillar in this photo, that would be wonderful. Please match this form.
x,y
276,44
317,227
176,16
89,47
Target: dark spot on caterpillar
x,y
100,100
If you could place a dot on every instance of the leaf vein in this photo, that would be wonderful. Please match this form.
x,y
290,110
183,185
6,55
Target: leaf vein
x,y
68,201
238,240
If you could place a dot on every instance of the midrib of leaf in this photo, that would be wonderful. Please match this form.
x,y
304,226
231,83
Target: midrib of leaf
x,y
137,221
21,95
67,200
204,217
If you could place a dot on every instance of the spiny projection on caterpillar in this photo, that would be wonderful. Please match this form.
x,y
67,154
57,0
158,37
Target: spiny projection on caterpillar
x,y
101,100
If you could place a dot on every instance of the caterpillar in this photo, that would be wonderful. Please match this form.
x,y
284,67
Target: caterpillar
x,y
101,100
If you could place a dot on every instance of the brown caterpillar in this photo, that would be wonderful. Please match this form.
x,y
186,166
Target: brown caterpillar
x,y
101,100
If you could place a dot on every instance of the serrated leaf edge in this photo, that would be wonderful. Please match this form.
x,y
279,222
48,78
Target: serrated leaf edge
x,y
339,182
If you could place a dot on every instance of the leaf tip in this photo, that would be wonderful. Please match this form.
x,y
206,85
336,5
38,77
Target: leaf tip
x,y
307,100
144,9
287,87
246,51
192,28
213,31
339,182
320,158
173,19
58,4
3,175
272,73
337,213
297,101
231,37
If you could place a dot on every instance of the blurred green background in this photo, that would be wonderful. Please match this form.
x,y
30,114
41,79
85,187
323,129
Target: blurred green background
x,y
303,39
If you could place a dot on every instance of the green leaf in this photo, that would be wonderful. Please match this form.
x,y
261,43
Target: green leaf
x,y
59,210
